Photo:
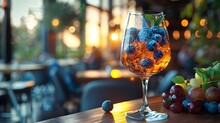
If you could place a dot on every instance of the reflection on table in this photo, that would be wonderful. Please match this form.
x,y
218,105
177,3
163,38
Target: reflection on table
x,y
89,75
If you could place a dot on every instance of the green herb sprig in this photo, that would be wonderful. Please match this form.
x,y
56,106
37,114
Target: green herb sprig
x,y
210,76
154,21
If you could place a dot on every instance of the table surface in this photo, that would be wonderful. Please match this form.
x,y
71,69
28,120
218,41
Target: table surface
x,y
20,68
117,115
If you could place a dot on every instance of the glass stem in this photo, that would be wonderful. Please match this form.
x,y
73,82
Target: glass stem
x,y
145,107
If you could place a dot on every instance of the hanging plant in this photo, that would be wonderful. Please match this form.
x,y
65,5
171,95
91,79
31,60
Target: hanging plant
x,y
204,27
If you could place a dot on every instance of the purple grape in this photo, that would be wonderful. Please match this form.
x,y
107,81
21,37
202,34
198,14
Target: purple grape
x,y
176,107
194,106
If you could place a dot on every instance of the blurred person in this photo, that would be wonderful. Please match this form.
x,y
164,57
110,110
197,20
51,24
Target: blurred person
x,y
95,59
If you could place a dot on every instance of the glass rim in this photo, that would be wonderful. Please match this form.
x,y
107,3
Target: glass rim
x,y
154,12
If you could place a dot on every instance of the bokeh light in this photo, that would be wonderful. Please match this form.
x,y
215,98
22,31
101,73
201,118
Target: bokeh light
x,y
71,40
197,33
184,23
115,73
72,29
209,34
167,23
176,34
187,34
218,35
202,22
114,36
55,22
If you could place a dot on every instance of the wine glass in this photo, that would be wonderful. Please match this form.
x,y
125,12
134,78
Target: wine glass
x,y
145,51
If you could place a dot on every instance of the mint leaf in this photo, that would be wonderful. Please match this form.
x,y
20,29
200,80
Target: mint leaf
x,y
167,100
159,20
178,80
205,86
215,63
209,72
216,69
150,18
201,73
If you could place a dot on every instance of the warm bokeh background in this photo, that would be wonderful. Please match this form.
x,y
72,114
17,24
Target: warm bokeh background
x,y
82,35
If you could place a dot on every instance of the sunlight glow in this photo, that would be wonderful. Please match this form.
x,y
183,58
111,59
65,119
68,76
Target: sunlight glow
x,y
115,73
92,34
70,40
114,36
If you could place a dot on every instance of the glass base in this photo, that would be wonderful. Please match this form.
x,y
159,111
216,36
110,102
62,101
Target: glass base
x,y
149,116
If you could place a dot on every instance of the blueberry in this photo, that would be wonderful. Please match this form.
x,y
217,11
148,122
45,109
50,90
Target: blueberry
x,y
185,103
212,107
152,45
155,29
107,106
146,63
162,31
145,34
133,38
163,42
157,37
205,105
130,49
131,34
133,31
158,54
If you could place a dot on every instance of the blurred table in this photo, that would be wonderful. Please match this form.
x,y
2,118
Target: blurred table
x,y
117,115
10,85
89,75
20,68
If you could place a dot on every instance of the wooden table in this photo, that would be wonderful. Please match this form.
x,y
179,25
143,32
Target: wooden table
x,y
117,115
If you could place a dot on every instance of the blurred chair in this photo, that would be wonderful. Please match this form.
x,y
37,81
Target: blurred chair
x,y
95,92
41,77
66,89
166,82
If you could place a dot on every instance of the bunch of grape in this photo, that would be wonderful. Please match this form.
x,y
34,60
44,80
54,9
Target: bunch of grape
x,y
201,93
